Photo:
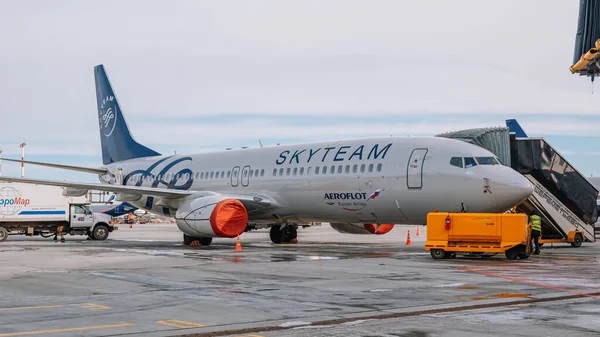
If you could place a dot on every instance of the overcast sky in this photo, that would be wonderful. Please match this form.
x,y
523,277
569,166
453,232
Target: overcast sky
x,y
196,76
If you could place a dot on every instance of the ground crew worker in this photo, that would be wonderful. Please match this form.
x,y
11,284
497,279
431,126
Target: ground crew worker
x,y
536,229
131,220
59,231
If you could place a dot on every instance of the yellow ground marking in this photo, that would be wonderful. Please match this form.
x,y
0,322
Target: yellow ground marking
x,y
91,306
12,334
33,307
179,324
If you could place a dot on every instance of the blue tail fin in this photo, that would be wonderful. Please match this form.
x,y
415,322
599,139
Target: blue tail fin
x,y
117,142
514,126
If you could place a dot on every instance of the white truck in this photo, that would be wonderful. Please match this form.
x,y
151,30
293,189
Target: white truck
x,y
27,209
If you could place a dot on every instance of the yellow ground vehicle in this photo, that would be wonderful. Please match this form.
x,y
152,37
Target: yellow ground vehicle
x,y
478,233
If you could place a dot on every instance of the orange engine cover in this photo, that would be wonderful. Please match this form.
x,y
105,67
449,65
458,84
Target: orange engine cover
x,y
229,218
212,216
359,228
382,229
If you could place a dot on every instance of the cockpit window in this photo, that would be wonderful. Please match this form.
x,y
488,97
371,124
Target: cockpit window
x,y
456,161
470,162
487,161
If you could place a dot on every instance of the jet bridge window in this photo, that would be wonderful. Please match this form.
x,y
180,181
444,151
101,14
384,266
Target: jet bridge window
x,y
487,161
456,161
470,162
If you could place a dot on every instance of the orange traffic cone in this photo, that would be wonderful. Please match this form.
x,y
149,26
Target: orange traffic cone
x,y
238,245
418,232
408,242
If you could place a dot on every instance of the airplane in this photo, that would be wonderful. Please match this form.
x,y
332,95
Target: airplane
x,y
358,186
115,209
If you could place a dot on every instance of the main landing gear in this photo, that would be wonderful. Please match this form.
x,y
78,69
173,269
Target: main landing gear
x,y
286,233
195,241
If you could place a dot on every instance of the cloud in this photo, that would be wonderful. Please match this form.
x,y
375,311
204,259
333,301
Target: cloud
x,y
196,76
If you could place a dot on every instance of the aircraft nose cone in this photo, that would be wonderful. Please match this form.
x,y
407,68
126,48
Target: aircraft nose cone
x,y
511,188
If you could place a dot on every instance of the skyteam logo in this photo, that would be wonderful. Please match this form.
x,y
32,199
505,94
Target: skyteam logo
x,y
108,115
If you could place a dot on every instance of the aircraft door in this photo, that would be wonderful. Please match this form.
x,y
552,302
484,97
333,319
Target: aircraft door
x,y
245,176
235,173
414,171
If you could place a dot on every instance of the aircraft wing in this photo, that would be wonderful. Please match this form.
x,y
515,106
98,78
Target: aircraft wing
x,y
255,204
158,192
94,170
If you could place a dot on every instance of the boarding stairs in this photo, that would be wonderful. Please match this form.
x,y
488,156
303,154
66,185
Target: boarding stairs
x,y
565,199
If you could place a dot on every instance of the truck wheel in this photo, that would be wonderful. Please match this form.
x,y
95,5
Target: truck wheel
x,y
523,256
577,240
438,254
512,253
3,234
100,232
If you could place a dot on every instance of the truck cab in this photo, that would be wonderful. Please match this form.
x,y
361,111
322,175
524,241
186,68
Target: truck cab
x,y
83,221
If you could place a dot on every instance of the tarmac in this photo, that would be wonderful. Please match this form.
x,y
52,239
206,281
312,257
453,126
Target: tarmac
x,y
143,282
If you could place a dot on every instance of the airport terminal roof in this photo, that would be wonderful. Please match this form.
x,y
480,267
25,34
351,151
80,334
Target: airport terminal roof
x,y
494,139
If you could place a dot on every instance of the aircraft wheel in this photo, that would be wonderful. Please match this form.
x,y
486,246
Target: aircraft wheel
x,y
187,240
3,234
438,254
290,233
276,234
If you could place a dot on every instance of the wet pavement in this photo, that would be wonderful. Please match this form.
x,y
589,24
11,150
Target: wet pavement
x,y
143,282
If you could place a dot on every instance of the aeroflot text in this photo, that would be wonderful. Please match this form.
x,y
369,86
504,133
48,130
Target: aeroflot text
x,y
16,201
339,154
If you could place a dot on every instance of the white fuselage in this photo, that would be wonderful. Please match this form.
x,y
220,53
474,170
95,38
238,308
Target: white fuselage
x,y
412,174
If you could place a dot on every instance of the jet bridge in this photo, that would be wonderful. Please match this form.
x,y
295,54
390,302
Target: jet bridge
x,y
562,195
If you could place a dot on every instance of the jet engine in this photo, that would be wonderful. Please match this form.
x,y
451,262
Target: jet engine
x,y
212,216
359,228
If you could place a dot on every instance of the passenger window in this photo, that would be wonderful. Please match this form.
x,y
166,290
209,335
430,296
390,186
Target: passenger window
x,y
456,161
370,167
295,170
262,173
212,175
281,171
354,168
362,168
379,167
222,174
287,172
340,168
302,171
332,169
228,174
347,169
250,173
317,170
308,170
274,172
470,162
